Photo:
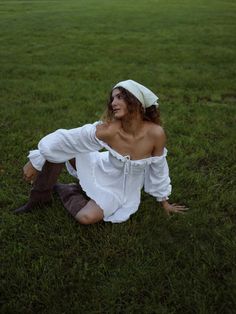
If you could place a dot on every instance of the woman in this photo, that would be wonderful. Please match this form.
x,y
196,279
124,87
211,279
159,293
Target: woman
x,y
111,181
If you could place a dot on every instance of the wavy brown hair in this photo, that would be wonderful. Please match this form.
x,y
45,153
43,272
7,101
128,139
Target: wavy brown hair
x,y
134,107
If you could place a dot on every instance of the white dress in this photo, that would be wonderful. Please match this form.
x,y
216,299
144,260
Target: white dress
x,y
113,181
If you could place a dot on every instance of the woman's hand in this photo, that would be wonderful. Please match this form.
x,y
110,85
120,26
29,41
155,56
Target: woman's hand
x,y
29,172
173,208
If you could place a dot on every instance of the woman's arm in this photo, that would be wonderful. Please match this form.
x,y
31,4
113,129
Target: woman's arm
x,y
163,172
63,145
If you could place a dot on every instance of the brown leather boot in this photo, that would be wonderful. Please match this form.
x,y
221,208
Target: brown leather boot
x,y
41,192
72,197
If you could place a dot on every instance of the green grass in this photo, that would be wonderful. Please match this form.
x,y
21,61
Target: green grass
x,y
58,61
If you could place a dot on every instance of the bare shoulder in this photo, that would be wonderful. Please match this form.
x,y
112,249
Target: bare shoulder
x,y
156,132
106,130
157,135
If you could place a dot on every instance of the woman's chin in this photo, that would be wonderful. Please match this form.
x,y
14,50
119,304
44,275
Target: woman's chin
x,y
118,116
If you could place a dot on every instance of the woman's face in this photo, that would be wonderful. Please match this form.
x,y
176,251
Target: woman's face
x,y
119,106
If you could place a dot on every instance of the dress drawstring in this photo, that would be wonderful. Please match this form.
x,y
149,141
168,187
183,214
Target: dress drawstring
x,y
126,171
127,164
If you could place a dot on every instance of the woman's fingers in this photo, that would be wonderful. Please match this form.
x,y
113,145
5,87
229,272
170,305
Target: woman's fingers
x,y
29,178
180,209
179,206
29,172
175,208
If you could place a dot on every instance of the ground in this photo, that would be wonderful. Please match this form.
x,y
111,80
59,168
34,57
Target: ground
x,y
59,60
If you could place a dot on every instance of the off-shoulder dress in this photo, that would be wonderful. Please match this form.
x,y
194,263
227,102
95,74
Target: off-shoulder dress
x,y
112,180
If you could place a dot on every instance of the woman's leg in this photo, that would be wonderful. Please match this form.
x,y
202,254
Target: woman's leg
x,y
90,214
41,192
72,196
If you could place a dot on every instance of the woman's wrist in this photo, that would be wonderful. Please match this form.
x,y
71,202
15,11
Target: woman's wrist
x,y
165,204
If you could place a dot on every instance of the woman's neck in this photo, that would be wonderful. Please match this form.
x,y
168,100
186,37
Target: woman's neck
x,y
132,126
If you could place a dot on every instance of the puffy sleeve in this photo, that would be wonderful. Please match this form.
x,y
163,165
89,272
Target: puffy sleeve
x,y
157,180
63,145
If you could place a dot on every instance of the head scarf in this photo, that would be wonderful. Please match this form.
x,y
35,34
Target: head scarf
x,y
144,95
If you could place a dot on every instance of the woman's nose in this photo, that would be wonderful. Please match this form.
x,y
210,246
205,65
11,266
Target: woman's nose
x,y
114,102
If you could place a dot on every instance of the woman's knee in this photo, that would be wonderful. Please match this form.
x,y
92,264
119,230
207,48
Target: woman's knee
x,y
87,218
83,218
89,214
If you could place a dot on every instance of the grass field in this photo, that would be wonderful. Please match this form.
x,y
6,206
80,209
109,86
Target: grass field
x,y
58,62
